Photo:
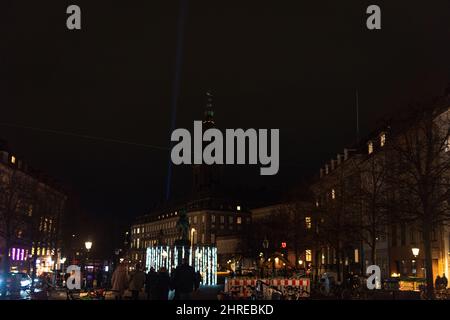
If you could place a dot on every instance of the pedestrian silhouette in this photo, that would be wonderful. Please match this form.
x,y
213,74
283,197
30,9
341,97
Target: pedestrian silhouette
x,y
184,281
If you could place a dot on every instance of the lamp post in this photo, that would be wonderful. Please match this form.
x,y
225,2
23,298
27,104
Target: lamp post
x,y
415,252
88,246
192,245
62,261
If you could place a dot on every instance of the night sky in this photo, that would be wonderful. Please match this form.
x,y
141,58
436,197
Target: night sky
x,y
292,65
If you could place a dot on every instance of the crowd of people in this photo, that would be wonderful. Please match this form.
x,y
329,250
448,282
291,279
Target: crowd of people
x,y
156,284
441,282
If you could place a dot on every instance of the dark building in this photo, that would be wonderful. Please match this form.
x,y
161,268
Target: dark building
x,y
31,210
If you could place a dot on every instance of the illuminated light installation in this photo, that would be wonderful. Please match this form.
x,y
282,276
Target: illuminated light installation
x,y
204,259
18,254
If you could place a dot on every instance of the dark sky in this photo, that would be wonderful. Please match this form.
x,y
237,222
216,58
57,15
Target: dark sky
x,y
292,65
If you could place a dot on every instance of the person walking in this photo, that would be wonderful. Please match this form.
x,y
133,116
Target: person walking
x,y
137,281
198,280
119,281
184,281
437,282
162,285
172,285
444,281
150,284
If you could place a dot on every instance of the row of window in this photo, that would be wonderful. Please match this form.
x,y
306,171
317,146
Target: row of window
x,y
154,227
193,220
415,237
42,251
139,244
230,219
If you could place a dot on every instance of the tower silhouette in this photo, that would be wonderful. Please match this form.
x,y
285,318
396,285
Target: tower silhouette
x,y
206,178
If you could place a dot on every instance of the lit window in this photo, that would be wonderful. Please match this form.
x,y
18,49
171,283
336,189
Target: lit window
x,y
137,243
308,222
383,139
222,219
308,255
239,220
213,219
356,256
195,219
333,194
238,208
370,147
447,145
13,159
203,218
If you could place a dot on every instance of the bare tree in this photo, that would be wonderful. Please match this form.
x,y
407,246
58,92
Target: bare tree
x,y
371,200
421,172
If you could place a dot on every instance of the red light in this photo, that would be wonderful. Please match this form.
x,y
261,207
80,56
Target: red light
x,y
283,244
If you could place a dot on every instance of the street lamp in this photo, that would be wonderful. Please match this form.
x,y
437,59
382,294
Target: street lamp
x,y
192,245
88,245
415,252
62,261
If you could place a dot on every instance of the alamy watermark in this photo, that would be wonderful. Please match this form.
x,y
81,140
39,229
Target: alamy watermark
x,y
234,152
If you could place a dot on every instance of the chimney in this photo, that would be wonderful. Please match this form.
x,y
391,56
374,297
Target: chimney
x,y
339,159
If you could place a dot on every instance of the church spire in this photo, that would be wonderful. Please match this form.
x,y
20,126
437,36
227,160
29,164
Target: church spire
x,y
209,112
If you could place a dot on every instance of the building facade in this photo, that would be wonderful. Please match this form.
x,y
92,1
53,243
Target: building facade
x,y
358,193
31,209
287,232
212,221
